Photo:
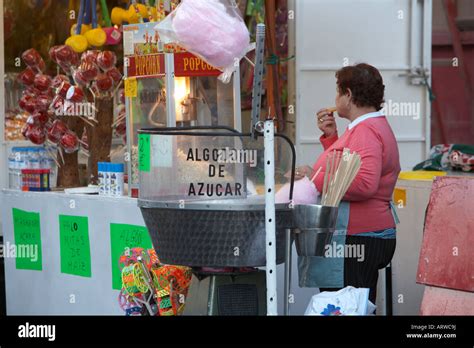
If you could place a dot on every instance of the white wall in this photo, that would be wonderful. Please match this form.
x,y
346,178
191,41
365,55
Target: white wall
x,y
390,35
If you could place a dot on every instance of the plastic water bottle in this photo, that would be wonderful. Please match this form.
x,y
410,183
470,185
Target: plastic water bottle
x,y
34,158
120,169
107,176
101,176
17,160
116,179
12,169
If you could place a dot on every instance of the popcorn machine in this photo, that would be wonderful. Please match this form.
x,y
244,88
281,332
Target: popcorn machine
x,y
165,86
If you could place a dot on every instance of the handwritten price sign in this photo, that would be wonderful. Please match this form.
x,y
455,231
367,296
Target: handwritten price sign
x,y
26,229
75,245
144,152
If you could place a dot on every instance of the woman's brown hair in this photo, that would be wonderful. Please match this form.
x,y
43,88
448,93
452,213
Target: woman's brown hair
x,y
365,83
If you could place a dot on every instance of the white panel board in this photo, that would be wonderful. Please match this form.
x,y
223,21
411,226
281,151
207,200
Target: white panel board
x,y
48,292
332,33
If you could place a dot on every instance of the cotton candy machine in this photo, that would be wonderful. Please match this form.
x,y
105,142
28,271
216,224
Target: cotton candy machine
x,y
202,195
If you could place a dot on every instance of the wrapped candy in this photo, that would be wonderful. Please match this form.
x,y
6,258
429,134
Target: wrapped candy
x,y
89,70
79,78
104,83
63,88
52,54
211,29
90,56
23,100
115,74
40,118
58,80
30,105
57,105
75,94
36,134
69,142
27,76
32,58
75,60
43,102
56,131
64,55
42,82
106,60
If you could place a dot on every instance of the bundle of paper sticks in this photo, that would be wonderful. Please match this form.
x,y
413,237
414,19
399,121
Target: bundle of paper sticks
x,y
341,170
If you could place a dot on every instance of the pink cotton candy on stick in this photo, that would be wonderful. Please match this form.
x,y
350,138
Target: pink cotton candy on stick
x,y
304,192
206,28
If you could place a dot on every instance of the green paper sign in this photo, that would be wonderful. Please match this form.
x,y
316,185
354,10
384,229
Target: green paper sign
x,y
124,238
27,234
144,152
74,245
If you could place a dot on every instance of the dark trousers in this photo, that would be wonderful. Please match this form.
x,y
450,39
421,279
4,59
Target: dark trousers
x,y
364,273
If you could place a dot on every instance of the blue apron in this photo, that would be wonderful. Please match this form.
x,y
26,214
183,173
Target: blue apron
x,y
328,272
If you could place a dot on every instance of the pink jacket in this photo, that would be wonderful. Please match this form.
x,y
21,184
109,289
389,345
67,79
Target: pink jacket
x,y
371,191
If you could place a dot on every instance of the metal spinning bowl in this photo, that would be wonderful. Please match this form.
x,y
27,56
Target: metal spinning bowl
x,y
218,233
231,233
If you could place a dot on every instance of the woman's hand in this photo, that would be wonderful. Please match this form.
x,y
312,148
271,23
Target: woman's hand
x,y
326,122
301,172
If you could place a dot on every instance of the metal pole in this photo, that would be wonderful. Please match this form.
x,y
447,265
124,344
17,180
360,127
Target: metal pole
x,y
237,101
258,77
270,239
286,304
170,105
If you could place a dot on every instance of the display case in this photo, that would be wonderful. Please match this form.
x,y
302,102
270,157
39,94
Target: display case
x,y
166,86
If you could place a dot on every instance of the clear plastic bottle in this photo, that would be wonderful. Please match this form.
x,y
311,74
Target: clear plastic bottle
x,y
34,161
107,178
13,169
22,159
43,158
113,179
119,180
53,172
101,177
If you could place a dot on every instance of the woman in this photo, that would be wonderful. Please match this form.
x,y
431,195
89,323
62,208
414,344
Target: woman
x,y
370,224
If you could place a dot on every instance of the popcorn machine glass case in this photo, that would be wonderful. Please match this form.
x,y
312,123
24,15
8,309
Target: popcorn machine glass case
x,y
166,86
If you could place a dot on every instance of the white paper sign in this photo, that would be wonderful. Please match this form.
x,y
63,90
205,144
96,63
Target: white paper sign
x,y
162,151
128,44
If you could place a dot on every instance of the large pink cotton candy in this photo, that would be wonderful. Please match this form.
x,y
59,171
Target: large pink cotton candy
x,y
212,30
304,192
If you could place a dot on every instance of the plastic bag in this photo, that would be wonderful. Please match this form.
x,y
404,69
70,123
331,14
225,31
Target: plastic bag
x,y
347,301
210,29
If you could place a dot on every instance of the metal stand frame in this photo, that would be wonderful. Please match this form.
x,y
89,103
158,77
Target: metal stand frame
x,y
270,222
